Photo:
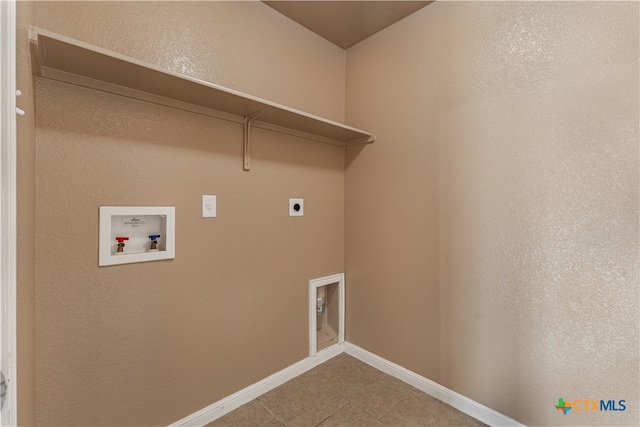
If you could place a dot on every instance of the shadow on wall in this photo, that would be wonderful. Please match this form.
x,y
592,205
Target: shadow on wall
x,y
538,199
186,131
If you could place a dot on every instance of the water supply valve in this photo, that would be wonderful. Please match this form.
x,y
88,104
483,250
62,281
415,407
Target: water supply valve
x,y
154,242
147,231
121,241
320,306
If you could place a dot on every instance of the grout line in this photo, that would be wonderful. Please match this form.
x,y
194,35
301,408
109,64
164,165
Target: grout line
x,y
275,417
394,405
333,413
372,416
264,406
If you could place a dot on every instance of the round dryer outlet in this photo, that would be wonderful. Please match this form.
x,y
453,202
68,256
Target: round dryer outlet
x,y
296,207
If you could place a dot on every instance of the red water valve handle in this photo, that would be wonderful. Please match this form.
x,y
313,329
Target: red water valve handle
x,y
121,239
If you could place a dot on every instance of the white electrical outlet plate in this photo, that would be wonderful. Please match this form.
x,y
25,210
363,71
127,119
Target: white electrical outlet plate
x,y
296,207
209,206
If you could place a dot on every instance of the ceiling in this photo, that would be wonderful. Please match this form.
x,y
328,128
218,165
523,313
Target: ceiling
x,y
346,23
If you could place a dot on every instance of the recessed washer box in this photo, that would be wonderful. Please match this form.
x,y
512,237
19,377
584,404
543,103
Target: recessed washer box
x,y
136,234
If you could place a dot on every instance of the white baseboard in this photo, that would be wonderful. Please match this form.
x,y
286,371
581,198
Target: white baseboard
x,y
246,395
450,397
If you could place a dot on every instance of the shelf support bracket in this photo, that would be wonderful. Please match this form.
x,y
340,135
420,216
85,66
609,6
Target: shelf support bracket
x,y
246,143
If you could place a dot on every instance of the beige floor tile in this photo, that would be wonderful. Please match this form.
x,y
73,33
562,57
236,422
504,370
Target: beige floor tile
x,y
250,414
351,416
334,368
345,392
274,423
303,401
345,361
371,389
420,409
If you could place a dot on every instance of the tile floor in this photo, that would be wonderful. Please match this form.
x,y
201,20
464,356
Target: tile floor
x,y
344,391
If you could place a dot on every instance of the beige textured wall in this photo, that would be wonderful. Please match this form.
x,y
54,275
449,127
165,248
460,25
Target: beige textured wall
x,y
150,343
243,45
26,238
492,229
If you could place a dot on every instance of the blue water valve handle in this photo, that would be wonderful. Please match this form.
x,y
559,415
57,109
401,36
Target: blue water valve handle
x,y
154,242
